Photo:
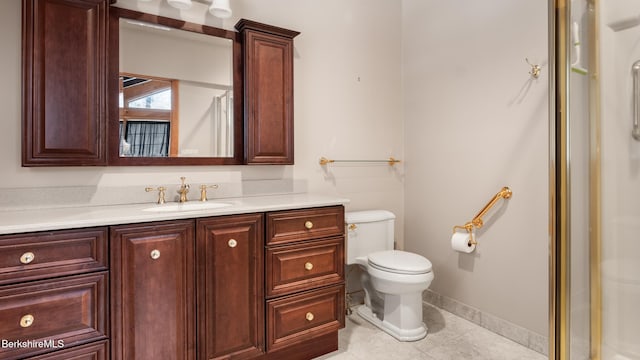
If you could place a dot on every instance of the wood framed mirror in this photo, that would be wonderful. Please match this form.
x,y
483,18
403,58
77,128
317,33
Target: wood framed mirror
x,y
175,92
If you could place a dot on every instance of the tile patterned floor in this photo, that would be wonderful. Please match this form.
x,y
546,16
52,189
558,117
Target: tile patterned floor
x,y
449,338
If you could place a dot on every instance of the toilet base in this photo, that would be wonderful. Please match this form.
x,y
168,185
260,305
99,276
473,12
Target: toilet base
x,y
401,334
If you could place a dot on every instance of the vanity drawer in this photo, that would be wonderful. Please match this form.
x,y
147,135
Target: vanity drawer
x,y
297,225
68,312
304,266
304,316
93,351
49,254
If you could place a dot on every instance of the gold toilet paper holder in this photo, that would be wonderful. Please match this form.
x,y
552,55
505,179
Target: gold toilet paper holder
x,y
468,227
504,193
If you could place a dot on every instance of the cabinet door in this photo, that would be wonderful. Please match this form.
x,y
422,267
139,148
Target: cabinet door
x,y
64,82
268,61
152,285
230,287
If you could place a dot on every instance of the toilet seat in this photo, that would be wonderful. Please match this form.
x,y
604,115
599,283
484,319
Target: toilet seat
x,y
399,262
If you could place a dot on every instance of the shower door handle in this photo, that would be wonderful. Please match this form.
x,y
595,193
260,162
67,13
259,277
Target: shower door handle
x,y
636,100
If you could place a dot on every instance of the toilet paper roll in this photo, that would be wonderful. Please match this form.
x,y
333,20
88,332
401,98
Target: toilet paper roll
x,y
460,242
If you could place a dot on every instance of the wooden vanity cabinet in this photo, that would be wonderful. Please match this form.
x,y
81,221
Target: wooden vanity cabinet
x,y
268,87
152,291
54,291
305,281
230,278
250,286
64,83
173,287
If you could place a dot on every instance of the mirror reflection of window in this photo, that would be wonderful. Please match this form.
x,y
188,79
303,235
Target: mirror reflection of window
x,y
159,100
148,124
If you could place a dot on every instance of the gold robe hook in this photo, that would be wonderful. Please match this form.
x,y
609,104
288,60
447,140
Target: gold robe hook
x,y
535,69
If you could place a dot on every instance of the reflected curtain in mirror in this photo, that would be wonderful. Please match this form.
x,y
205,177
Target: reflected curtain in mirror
x,y
148,115
144,138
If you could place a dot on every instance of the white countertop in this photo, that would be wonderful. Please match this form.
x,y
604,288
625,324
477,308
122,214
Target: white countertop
x,y
22,221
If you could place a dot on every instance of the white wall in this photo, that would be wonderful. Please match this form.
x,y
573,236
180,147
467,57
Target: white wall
x,y
475,121
347,103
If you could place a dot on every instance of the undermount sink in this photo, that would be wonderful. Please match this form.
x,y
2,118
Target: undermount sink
x,y
193,206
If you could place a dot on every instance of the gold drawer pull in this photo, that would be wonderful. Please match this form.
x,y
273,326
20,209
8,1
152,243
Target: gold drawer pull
x,y
26,321
309,316
353,227
27,257
155,254
308,225
233,243
308,266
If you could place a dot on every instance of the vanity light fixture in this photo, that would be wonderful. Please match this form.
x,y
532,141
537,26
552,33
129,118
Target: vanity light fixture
x,y
220,9
180,4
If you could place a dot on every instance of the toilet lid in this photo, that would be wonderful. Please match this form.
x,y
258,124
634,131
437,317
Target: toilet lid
x,y
400,262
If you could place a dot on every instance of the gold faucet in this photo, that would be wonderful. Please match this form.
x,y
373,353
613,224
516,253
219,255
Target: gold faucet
x,y
184,189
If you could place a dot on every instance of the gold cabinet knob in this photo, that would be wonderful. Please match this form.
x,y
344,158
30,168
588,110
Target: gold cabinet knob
x,y
233,243
352,227
308,225
26,321
308,266
155,254
27,257
309,316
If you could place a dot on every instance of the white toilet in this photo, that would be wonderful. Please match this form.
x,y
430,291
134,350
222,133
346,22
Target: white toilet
x,y
393,280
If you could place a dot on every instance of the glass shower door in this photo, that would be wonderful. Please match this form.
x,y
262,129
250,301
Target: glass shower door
x,y
603,162
581,134
619,33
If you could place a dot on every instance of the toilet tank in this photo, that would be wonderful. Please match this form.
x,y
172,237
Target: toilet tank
x,y
373,231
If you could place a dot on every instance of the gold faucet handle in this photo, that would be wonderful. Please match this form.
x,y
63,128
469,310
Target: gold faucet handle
x,y
161,190
203,191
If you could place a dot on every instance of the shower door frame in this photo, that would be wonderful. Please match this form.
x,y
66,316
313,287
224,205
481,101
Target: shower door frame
x,y
560,181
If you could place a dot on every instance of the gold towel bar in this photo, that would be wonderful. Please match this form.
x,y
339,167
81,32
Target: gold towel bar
x,y
391,161
504,193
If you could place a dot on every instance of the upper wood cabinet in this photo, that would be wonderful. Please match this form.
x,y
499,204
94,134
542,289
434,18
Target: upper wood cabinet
x,y
64,82
70,67
268,79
